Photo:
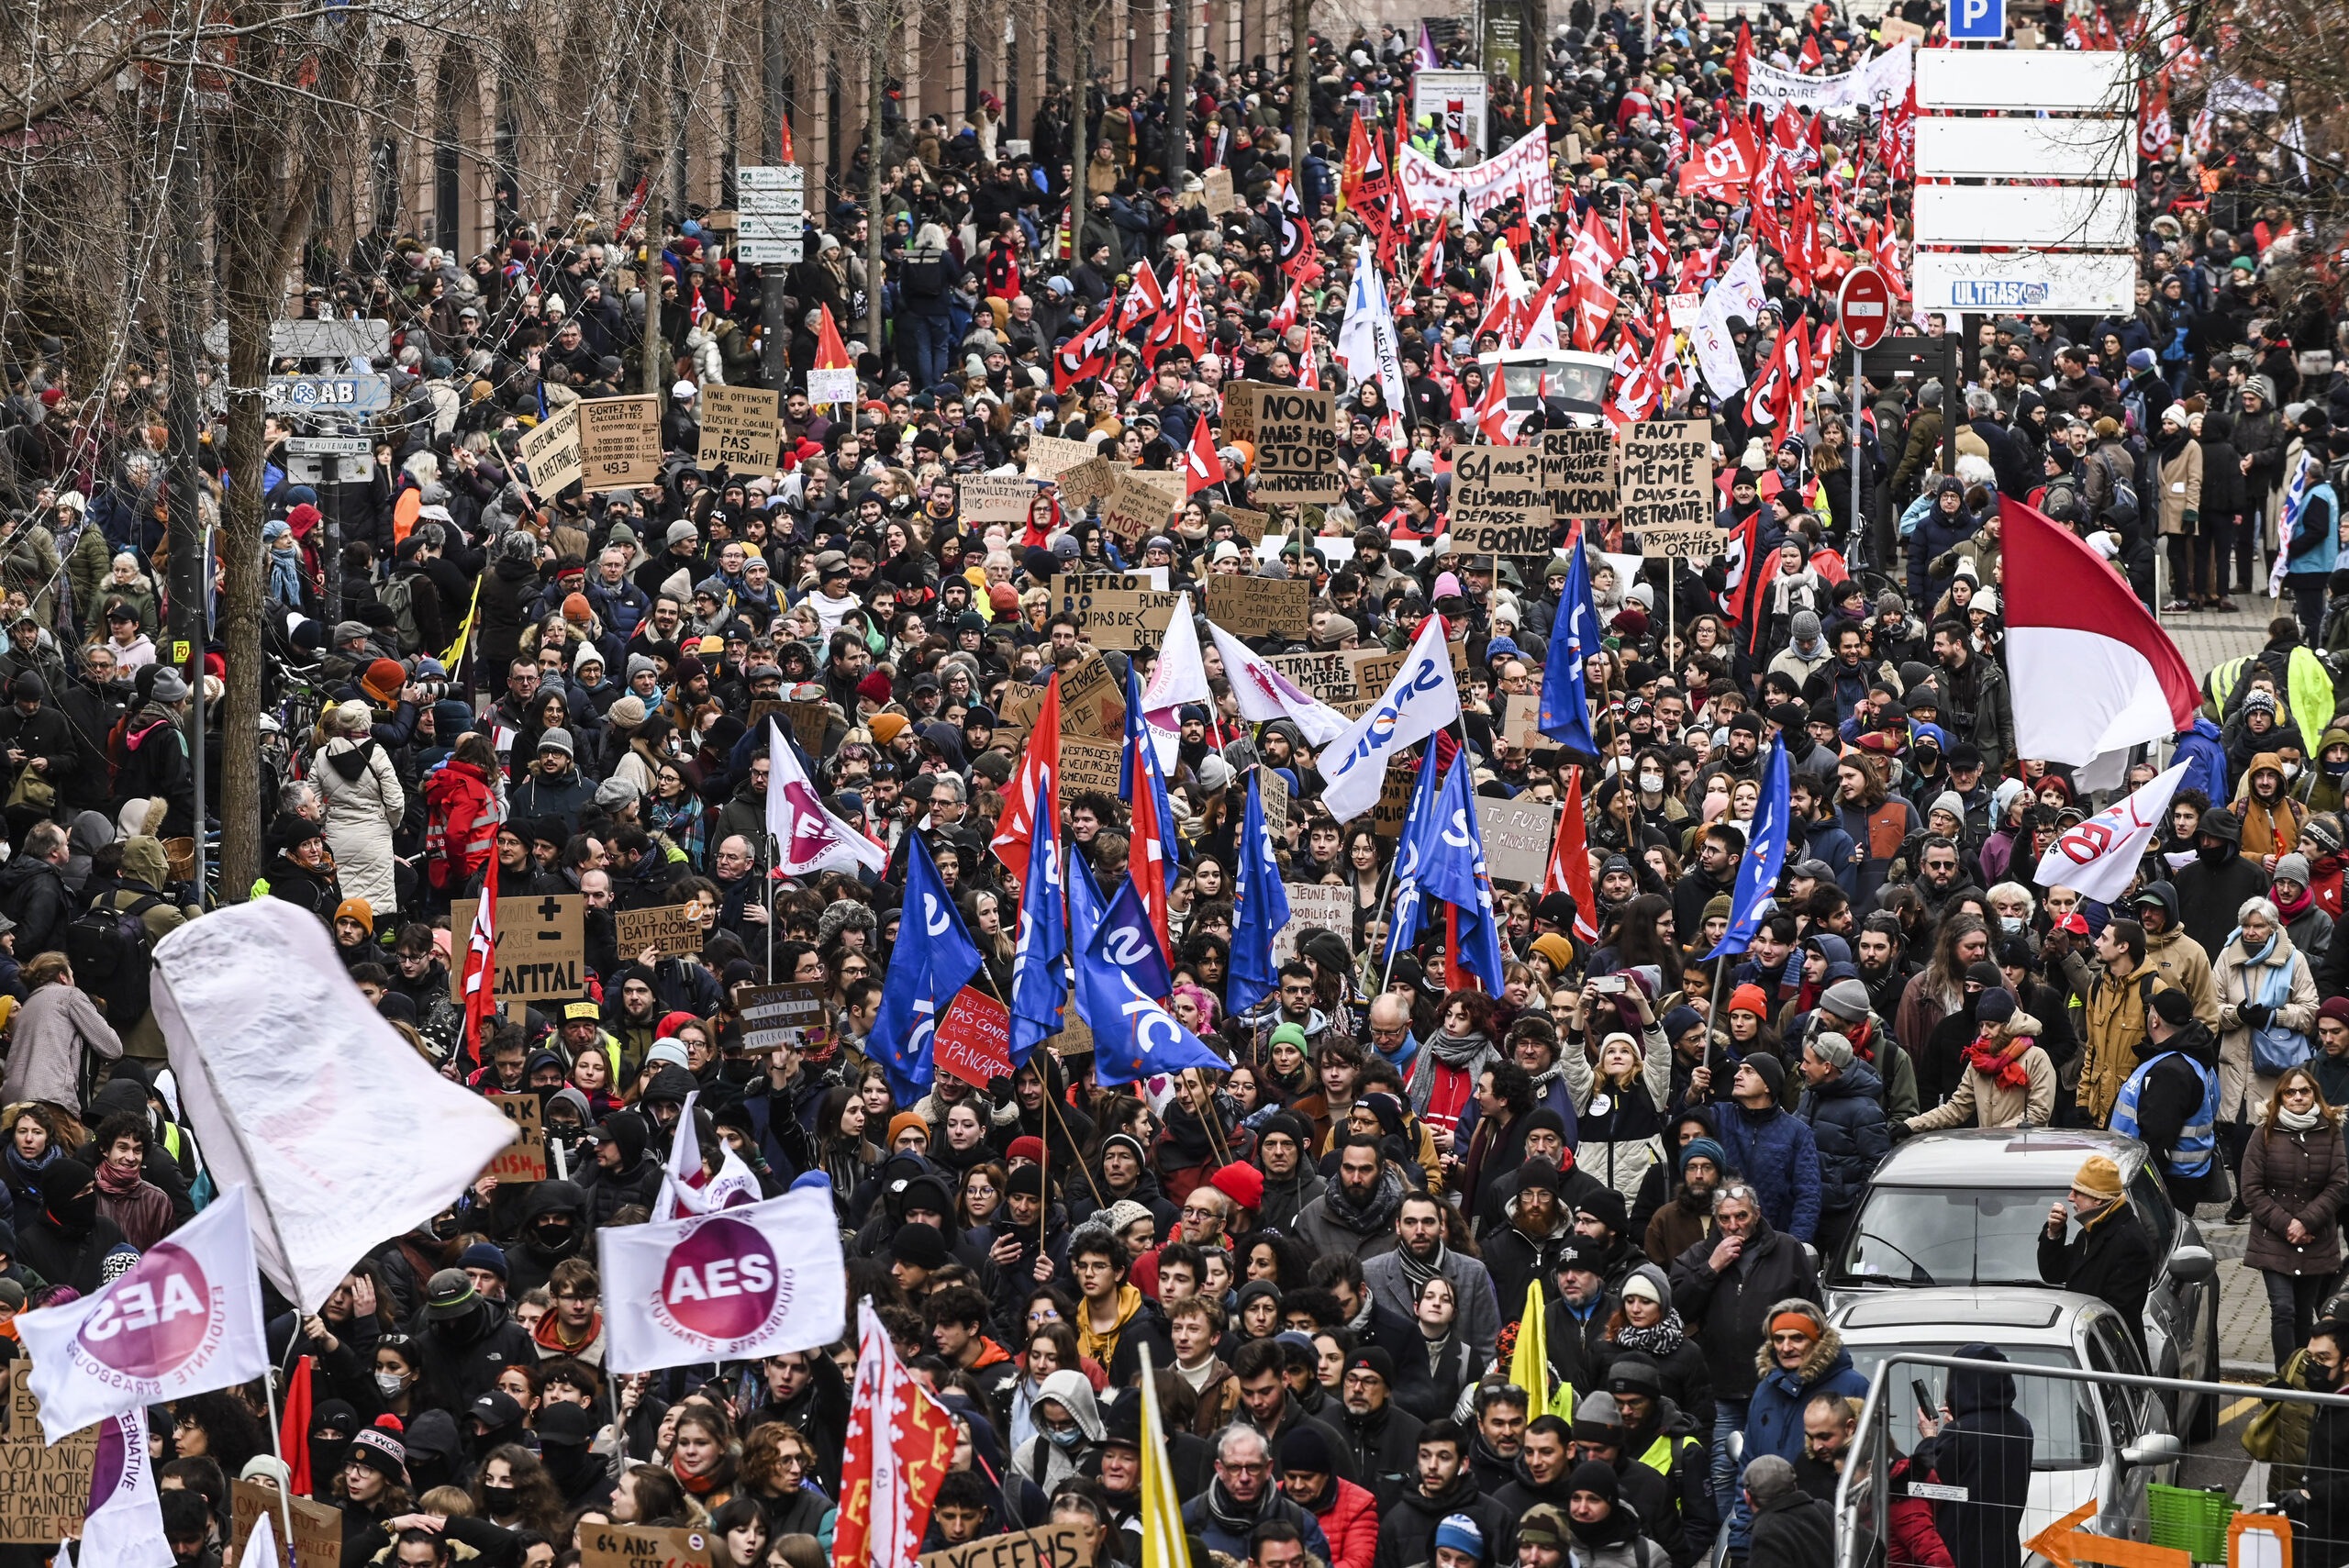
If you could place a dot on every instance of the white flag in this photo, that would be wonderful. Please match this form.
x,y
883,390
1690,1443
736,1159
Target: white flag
x,y
124,1526
184,1319
1421,699
298,1089
2098,858
1180,676
260,1548
755,1280
807,837
1738,292
682,1186
1367,345
1264,693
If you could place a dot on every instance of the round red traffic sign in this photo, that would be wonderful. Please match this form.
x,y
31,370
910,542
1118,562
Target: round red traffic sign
x,y
1865,307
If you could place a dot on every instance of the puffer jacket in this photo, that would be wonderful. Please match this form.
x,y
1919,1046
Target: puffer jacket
x,y
1845,1116
1774,1151
364,805
461,826
1773,1417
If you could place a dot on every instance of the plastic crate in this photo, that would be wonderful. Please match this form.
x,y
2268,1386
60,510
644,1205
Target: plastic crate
x,y
2190,1520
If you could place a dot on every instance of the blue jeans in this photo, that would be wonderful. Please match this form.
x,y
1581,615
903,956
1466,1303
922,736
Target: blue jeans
x,y
2293,1301
926,342
1729,1415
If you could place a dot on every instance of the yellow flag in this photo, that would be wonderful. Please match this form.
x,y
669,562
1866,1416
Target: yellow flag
x,y
464,633
1529,1363
1161,1510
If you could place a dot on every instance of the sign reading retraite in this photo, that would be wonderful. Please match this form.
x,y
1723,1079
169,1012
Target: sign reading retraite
x,y
738,429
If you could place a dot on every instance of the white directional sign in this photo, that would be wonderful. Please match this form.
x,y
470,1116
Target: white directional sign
x,y
2091,217
329,446
771,214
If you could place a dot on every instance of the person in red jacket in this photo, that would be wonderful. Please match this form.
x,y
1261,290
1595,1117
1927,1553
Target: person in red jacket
x,y
463,806
1347,1514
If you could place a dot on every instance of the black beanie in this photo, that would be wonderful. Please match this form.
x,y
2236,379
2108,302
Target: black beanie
x,y
1773,1072
1593,1476
919,1245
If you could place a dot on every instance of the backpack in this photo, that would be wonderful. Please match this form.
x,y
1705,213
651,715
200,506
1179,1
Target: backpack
x,y
2121,506
398,596
113,955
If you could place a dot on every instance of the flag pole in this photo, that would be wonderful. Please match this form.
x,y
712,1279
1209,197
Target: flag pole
x,y
277,1446
1049,1104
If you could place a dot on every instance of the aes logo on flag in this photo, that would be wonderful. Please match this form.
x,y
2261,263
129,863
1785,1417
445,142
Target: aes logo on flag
x,y
722,1286
728,1285
164,1325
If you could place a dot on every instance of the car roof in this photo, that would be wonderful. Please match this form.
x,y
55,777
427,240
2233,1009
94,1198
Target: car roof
x,y
1962,1312
2042,1157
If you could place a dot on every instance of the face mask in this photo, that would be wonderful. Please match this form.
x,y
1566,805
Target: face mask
x,y
391,1383
2317,1376
498,1500
1650,784
2335,769
1065,1440
2010,923
2215,854
552,1233
2290,770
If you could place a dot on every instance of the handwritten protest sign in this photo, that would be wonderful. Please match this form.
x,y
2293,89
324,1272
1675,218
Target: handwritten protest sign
x,y
1049,457
1091,704
1220,198
738,429
1260,606
1247,524
1088,765
1273,790
1394,803
1082,483
643,1546
524,1158
1498,502
673,928
1578,472
988,498
317,1529
1518,834
619,442
539,943
1329,677
1296,445
1142,505
973,1041
1314,906
1667,485
1116,610
1240,409
44,1490
551,450
1046,1546
781,1015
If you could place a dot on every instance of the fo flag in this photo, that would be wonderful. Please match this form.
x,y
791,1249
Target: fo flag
x,y
2098,858
733,1285
1421,699
185,1319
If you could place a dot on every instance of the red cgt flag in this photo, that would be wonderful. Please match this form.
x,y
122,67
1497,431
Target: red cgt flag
x,y
480,964
1569,868
900,1440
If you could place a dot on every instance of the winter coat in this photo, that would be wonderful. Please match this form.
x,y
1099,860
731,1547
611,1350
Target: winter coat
x,y
1406,1527
1730,1313
2238,980
1773,1416
1349,1519
364,805
1621,1161
2111,1257
1845,1116
1981,1100
1794,1532
2326,1475
1477,1319
33,895
47,1038
461,828
1985,1448
1776,1152
2180,480
2290,1175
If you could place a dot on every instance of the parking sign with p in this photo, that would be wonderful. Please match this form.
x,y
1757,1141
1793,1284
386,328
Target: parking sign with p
x,y
1979,21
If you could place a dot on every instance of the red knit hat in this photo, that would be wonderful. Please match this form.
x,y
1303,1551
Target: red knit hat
x,y
1749,999
1031,1150
875,687
1243,1185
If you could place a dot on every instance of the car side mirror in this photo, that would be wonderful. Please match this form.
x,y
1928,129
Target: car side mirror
x,y
2192,1265
1737,1447
2154,1448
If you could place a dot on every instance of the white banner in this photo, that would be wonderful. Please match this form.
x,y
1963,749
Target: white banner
x,y
1430,189
2058,282
2098,858
1421,699
1883,80
298,1088
124,1526
1456,101
755,1280
184,1319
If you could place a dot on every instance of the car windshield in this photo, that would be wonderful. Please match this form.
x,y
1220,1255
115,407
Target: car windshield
x,y
2067,1433
1916,1236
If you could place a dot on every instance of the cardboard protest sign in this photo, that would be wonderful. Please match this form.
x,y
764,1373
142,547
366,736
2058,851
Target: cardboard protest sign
x,y
524,1158
1017,716
551,450
1374,667
1082,483
1578,472
44,1490
673,928
973,1041
1247,524
1329,677
643,1546
1144,504
1088,765
987,498
1273,790
1046,1546
1517,835
317,1529
781,1015
1092,706
1296,445
1260,606
1116,610
1393,802
1221,198
539,939
738,429
619,442
1314,906
1049,457
1240,409
1499,506
1666,468
1076,1037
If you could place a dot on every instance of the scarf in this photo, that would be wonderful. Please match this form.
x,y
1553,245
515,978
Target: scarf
x,y
26,1178
695,1485
2292,909
1226,1511
2002,1062
2298,1121
549,1334
1418,1272
114,1185
1655,1341
1467,1052
1374,1217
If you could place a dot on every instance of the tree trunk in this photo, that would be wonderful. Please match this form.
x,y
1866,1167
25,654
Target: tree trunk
x,y
1537,63
184,262
1300,87
876,92
1088,19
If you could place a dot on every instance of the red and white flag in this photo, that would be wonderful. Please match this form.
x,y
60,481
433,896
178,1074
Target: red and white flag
x,y
900,1440
687,1188
1202,464
184,1319
481,963
807,837
2098,858
1569,868
2089,670
1041,756
1264,693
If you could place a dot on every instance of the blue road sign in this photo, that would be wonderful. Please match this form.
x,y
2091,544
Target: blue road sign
x,y
1978,21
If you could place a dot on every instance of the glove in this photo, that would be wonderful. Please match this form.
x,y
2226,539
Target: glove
x,y
2256,1014
1897,1129
2192,517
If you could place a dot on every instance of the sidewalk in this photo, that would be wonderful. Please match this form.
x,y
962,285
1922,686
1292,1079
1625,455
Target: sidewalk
x,y
2244,1353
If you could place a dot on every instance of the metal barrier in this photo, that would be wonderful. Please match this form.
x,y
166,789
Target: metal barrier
x,y
2101,1442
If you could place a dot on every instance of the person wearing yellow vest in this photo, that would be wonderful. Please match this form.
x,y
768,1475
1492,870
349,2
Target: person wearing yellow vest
x,y
1668,1439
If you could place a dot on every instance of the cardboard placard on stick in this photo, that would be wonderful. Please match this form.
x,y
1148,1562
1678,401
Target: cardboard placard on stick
x,y
1046,1546
1329,677
781,1015
673,928
317,1529
1499,504
1221,198
551,450
1517,835
1666,484
1114,611
619,442
524,1158
1049,457
1260,606
1578,472
1296,446
990,498
539,939
738,429
1249,525
1088,765
1082,483
1314,904
44,1489
1092,707
643,1546
1393,802
1240,409
1144,504
1076,1037
1017,716
1273,790
972,1040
